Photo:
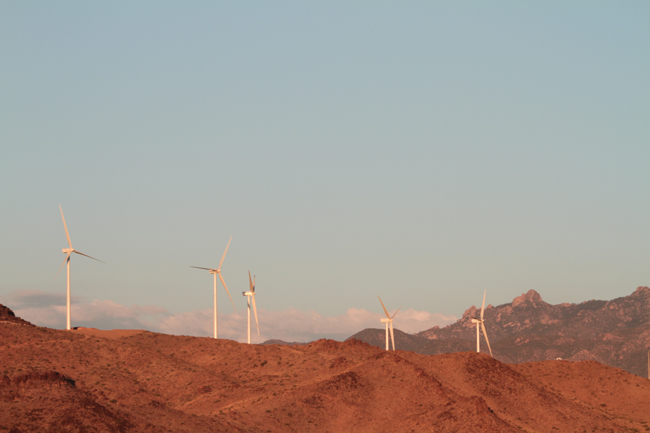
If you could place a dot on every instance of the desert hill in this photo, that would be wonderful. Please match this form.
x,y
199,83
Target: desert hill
x,y
90,380
616,332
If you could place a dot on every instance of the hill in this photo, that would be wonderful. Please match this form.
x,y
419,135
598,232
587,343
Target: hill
x,y
616,332
90,380
415,343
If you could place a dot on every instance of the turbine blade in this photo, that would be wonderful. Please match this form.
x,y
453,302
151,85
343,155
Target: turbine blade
x,y
250,281
400,307
483,306
382,304
196,267
486,339
255,311
65,227
86,255
227,291
224,253
67,257
392,335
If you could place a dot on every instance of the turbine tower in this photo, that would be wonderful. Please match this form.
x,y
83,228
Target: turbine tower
x,y
216,272
389,322
68,252
251,294
481,324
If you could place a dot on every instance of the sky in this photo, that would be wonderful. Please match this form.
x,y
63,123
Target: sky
x,y
419,151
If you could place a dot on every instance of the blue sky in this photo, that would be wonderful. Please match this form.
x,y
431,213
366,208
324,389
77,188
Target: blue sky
x,y
419,151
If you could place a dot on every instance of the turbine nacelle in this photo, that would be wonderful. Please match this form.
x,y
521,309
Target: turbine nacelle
x,y
386,320
247,293
68,250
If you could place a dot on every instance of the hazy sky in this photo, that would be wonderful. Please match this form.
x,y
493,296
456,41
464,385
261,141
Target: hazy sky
x,y
420,151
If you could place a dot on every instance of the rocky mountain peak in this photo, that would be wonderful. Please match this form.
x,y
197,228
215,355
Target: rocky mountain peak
x,y
613,332
470,312
530,296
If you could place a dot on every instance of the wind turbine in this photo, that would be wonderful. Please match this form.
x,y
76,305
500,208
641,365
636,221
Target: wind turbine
x,y
216,272
389,322
68,252
482,325
251,294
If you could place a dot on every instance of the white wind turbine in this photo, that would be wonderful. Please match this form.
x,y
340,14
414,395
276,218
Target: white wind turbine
x,y
251,294
216,272
68,252
482,325
389,322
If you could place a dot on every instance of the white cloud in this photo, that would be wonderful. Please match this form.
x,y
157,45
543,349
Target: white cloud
x,y
45,309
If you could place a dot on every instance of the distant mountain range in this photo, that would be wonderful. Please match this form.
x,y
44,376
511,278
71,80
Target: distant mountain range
x,y
616,332
283,343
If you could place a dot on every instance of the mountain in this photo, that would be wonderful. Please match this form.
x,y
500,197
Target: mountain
x,y
89,380
415,343
616,332
282,342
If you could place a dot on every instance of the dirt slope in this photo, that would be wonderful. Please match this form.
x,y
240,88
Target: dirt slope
x,y
92,381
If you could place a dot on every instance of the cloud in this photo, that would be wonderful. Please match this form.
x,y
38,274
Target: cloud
x,y
46,309
36,299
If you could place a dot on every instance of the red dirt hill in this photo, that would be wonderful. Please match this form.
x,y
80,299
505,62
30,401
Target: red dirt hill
x,y
146,382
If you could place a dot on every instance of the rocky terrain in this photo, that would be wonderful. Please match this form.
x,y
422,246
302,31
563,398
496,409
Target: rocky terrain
x,y
616,332
90,380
